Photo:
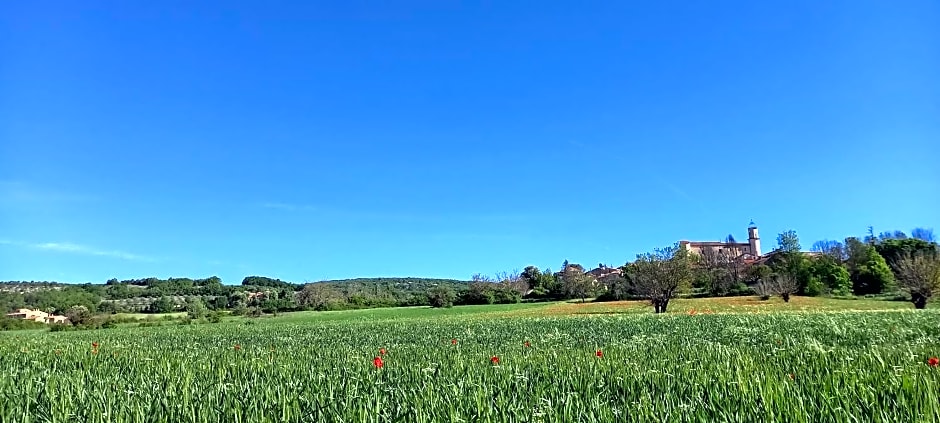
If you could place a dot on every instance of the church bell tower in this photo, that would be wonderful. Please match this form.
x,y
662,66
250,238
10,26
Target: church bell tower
x,y
753,239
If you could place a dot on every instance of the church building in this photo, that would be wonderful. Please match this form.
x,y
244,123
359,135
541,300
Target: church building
x,y
749,250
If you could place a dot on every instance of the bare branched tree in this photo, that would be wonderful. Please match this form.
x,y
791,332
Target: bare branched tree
x,y
784,285
763,290
924,234
481,278
512,280
919,274
719,268
662,274
834,249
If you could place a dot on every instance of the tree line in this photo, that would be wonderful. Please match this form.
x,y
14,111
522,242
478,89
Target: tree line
x,y
255,294
889,265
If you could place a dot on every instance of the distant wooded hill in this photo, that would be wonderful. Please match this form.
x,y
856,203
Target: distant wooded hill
x,y
268,294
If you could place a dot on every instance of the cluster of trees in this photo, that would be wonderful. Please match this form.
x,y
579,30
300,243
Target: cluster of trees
x,y
888,262
504,288
155,287
391,292
885,265
52,298
264,295
870,266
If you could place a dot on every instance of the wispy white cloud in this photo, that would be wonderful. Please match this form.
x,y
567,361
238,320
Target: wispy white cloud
x,y
19,193
685,196
68,247
84,249
676,190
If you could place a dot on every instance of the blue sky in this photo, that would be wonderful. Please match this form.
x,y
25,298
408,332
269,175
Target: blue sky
x,y
318,140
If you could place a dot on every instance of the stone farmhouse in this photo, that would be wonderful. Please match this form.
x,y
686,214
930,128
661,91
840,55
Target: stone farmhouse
x,y
604,271
37,316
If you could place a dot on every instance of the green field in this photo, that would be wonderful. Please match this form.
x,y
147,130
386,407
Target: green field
x,y
734,360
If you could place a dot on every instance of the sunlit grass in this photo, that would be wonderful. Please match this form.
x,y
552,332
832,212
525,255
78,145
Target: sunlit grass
x,y
405,312
715,305
726,366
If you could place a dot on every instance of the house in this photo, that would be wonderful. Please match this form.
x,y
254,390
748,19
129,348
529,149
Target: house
x,y
27,314
37,316
603,271
57,319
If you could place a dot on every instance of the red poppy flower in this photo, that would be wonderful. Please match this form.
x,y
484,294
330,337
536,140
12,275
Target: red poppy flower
x,y
453,341
692,312
381,351
933,362
599,353
378,362
494,360
94,345
237,347
527,344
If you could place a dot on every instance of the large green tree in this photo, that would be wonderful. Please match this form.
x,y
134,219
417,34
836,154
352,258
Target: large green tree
x,y
788,242
77,315
869,271
441,296
530,275
542,283
162,305
196,308
790,264
896,248
832,274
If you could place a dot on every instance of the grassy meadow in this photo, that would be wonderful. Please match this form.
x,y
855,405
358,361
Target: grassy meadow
x,y
733,359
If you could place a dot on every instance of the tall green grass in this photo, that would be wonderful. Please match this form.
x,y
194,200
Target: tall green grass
x,y
849,366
